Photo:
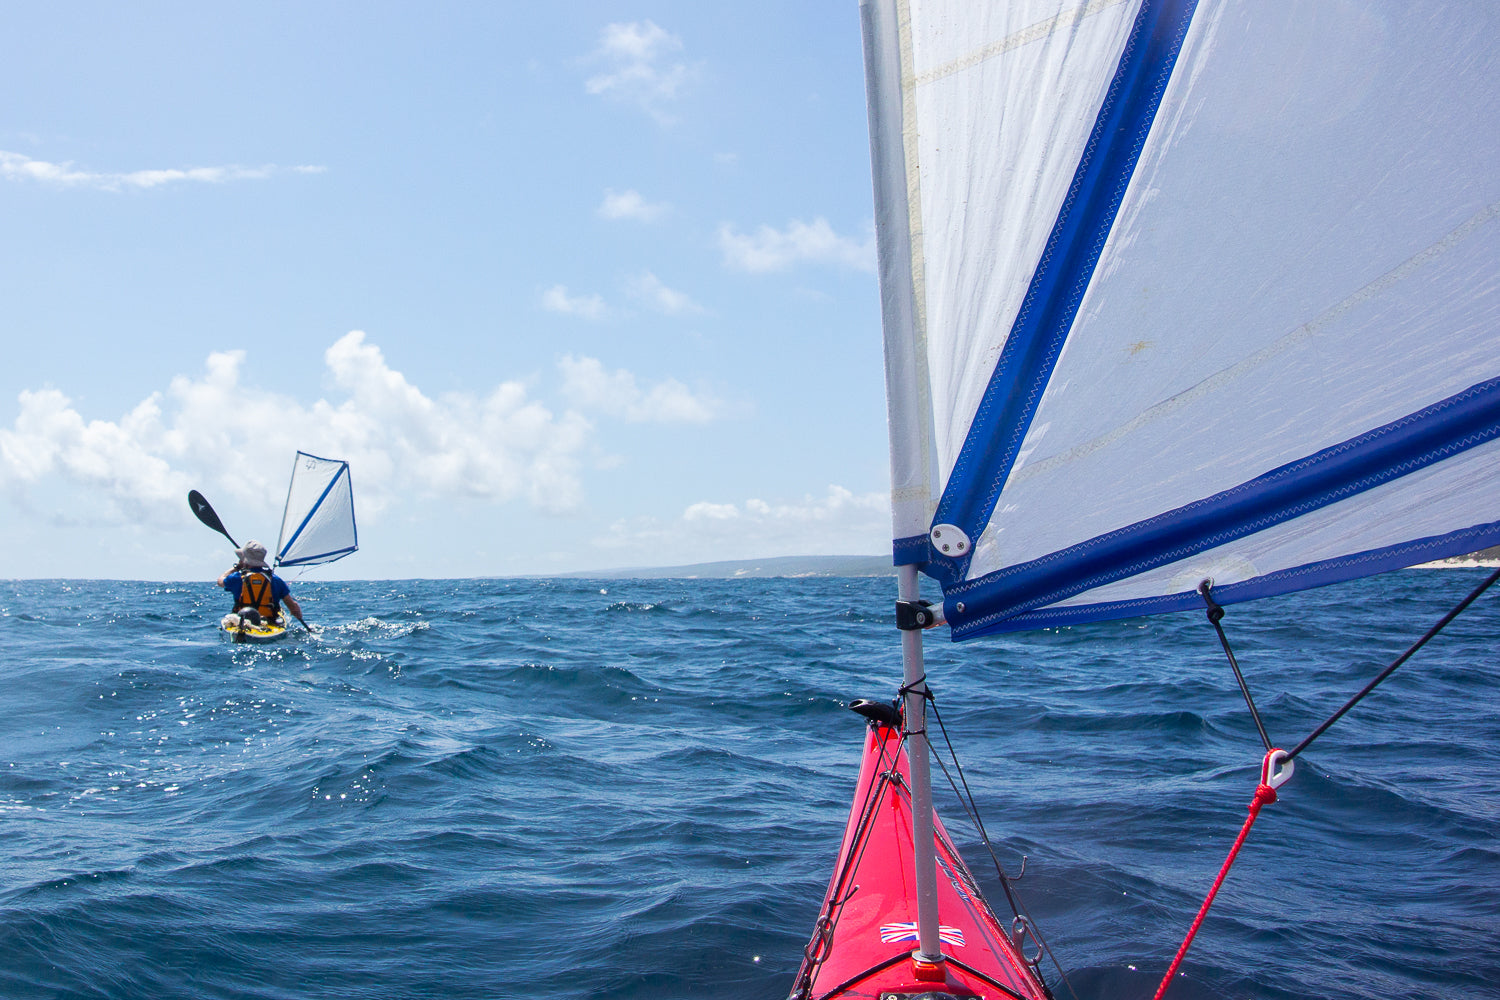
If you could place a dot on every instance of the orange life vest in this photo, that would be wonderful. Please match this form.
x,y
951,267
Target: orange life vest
x,y
255,592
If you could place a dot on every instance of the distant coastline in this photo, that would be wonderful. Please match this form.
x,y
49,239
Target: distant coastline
x,y
780,566
1483,559
802,566
793,566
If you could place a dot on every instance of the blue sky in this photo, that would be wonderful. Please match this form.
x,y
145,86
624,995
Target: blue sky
x,y
571,286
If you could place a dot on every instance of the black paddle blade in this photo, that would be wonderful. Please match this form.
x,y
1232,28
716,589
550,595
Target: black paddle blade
x,y
204,511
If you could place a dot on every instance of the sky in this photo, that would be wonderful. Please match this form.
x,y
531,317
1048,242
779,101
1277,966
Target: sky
x,y
571,286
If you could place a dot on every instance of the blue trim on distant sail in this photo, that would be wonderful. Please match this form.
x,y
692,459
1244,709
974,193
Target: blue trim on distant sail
x,y
1064,272
1442,430
321,557
1318,574
343,468
906,551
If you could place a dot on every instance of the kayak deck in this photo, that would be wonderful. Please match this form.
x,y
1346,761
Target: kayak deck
x,y
242,631
866,932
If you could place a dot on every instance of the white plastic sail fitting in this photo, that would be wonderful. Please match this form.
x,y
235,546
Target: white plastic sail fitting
x,y
1276,769
950,540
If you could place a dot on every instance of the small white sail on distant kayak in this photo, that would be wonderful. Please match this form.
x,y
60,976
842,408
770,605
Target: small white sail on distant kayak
x,y
317,526
1182,302
317,523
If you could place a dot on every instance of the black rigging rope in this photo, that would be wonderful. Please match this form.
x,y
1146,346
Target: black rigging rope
x,y
966,799
1442,623
1266,791
819,948
1216,614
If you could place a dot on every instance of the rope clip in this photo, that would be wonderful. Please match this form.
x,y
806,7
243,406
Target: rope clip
x,y
1020,930
1276,769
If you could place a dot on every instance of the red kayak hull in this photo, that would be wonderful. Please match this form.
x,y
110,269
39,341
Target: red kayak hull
x,y
866,931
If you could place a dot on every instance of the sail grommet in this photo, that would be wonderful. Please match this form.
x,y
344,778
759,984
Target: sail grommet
x,y
950,540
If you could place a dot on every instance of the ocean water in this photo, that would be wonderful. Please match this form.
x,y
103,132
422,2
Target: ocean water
x,y
636,789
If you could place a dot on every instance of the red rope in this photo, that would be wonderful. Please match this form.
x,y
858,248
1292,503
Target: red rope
x,y
1264,794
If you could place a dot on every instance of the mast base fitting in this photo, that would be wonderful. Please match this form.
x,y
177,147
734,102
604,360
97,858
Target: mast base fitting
x,y
913,616
928,970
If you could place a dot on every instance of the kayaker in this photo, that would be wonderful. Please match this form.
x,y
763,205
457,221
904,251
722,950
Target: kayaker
x,y
257,590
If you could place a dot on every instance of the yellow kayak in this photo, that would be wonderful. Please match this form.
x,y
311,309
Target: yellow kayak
x,y
243,631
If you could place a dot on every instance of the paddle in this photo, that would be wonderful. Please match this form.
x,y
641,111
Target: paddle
x,y
205,513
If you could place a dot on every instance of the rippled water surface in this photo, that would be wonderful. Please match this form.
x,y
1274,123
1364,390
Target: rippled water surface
x,y
567,788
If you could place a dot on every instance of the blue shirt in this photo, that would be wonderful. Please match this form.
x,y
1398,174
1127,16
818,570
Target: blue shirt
x,y
279,589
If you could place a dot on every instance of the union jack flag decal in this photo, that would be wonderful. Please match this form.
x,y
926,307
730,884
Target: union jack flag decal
x,y
908,932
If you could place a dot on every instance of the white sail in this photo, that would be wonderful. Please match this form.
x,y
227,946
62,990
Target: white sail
x,y
1178,291
317,525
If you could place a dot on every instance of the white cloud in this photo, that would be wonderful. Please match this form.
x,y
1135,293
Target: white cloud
x,y
556,299
839,522
640,70
17,167
836,505
588,386
630,205
705,511
500,446
218,434
127,480
775,250
648,288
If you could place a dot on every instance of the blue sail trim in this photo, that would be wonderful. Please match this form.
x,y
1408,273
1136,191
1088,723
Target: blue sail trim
x,y
1306,577
1416,441
343,470
320,557
1088,214
914,549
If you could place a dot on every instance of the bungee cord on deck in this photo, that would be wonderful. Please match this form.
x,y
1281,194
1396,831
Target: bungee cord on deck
x,y
840,892
966,798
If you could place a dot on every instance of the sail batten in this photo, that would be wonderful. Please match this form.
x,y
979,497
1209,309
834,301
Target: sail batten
x,y
1183,286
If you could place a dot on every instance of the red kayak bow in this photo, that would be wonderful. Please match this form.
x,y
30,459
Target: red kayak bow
x,y
866,932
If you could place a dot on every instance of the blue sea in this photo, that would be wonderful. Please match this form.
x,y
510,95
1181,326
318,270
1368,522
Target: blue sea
x,y
636,788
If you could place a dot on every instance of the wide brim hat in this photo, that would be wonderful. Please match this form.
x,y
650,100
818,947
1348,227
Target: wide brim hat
x,y
252,554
